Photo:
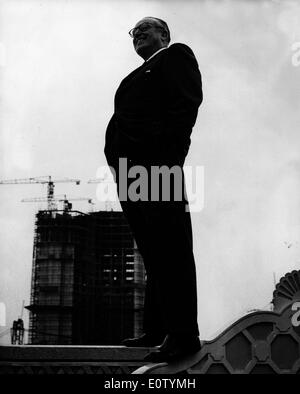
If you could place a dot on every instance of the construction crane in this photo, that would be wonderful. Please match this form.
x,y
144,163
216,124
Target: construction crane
x,y
43,180
59,198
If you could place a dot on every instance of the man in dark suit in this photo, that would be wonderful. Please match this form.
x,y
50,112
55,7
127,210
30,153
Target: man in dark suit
x,y
156,107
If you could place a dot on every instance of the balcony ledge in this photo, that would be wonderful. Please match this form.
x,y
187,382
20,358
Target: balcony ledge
x,y
260,342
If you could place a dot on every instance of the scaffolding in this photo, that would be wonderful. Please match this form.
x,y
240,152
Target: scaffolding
x,y
17,332
59,244
121,283
88,279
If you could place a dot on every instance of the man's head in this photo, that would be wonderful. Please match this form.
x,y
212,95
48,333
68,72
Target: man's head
x,y
149,35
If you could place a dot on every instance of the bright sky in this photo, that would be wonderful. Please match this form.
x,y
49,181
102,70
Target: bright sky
x,y
61,62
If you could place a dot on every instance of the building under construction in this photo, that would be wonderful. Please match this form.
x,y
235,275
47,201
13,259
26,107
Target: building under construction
x,y
88,279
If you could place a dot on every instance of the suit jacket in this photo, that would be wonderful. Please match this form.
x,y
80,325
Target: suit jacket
x,y
155,109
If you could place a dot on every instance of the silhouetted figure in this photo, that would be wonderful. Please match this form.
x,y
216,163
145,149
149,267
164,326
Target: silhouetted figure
x,y
156,108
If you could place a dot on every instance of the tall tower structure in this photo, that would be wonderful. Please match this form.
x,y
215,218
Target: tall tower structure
x,y
63,277
87,279
121,275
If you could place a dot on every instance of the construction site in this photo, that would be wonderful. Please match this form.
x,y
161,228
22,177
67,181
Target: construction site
x,y
87,291
88,278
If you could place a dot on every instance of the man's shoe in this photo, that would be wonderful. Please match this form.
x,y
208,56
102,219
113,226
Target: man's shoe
x,y
145,340
174,348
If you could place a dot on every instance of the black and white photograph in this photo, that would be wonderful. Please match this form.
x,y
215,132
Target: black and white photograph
x,y
149,190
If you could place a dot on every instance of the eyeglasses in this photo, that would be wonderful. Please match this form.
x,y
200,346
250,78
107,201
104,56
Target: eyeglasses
x,y
142,28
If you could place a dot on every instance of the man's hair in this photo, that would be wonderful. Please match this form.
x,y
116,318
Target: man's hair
x,y
164,26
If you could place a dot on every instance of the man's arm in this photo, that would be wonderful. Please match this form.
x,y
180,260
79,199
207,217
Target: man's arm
x,y
183,91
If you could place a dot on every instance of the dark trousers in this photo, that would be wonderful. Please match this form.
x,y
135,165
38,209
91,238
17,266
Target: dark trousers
x,y
163,233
